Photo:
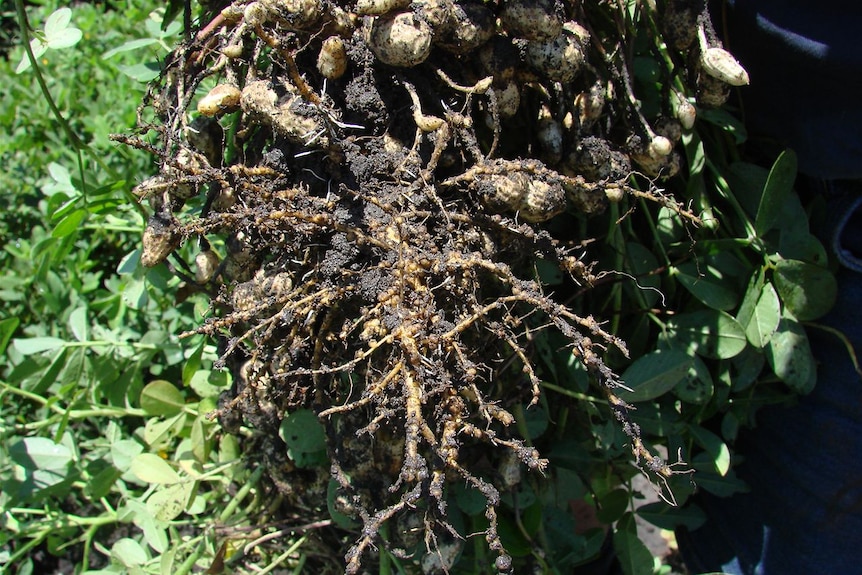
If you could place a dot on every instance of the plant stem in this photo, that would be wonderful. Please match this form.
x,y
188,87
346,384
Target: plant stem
x,y
573,394
241,494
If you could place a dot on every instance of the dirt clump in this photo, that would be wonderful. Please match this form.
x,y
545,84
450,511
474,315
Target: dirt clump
x,y
369,189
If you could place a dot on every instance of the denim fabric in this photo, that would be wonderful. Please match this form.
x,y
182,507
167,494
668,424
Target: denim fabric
x,y
803,464
805,63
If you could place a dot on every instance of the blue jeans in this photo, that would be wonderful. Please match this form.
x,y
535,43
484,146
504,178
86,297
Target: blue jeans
x,y
803,464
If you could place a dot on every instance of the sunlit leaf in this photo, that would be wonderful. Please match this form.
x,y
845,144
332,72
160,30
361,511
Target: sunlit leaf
x,y
707,284
69,224
129,552
161,397
143,73
130,262
40,453
709,333
33,345
129,46
714,446
58,21
125,451
38,47
150,468
64,38
765,317
79,324
168,502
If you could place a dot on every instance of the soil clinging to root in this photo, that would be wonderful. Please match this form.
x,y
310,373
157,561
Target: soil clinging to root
x,y
369,186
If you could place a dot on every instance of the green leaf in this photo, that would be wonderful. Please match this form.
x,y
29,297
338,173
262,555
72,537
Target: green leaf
x,y
123,452
654,374
548,272
668,517
303,432
150,468
536,419
129,263
779,185
696,387
100,484
135,293
708,333
641,263
79,324
634,557
144,72
669,226
707,284
168,502
708,480
714,446
789,355
38,47
34,345
7,328
62,181
512,538
613,505
58,21
764,318
129,46
129,553
69,224
807,290
724,120
161,397
158,432
154,530
40,453
747,182
193,363
747,366
64,38
751,297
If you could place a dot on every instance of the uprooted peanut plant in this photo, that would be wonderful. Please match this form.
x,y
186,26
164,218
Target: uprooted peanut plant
x,y
369,187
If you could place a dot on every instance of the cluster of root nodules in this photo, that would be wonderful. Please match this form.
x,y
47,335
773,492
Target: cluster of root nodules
x,y
367,185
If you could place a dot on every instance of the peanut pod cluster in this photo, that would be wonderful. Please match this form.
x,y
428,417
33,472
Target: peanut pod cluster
x,y
369,186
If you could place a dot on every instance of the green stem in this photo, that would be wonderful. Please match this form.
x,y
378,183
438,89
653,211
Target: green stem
x,y
573,394
723,188
187,565
281,558
22,552
241,494
654,230
385,564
